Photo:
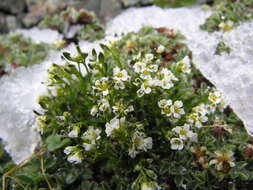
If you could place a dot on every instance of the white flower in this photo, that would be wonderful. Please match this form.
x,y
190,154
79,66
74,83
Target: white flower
x,y
169,109
113,125
102,85
149,57
75,158
211,107
160,49
69,149
197,119
94,110
133,152
226,26
153,67
177,109
194,137
74,133
129,109
164,103
150,186
168,75
184,65
215,97
103,105
200,109
120,75
121,108
166,83
92,134
176,144
88,146
145,74
119,85
139,67
166,79
146,87
146,144
184,132
141,143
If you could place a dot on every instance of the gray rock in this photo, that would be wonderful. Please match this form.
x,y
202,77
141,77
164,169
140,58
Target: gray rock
x,y
92,5
3,27
127,3
13,6
37,9
110,8
12,22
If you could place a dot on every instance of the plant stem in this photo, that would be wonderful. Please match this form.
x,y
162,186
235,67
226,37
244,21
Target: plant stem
x,y
43,172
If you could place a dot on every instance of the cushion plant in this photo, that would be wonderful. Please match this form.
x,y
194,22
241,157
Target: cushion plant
x,y
140,117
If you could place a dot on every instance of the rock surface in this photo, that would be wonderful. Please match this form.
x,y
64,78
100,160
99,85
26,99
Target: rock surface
x,y
13,6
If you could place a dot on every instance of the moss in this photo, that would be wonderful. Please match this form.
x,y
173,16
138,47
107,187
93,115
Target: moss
x,y
228,14
16,50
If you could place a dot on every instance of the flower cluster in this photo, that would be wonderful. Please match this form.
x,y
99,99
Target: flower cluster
x,y
141,106
171,109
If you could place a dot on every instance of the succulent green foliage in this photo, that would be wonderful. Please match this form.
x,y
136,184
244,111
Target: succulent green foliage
x,y
174,3
91,28
118,124
161,3
227,14
17,50
222,47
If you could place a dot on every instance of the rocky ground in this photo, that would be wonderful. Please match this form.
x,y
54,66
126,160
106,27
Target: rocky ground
x,y
27,13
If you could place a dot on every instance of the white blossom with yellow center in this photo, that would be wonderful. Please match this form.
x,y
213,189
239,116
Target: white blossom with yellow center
x,y
120,75
215,97
146,87
197,120
226,26
177,109
164,103
184,132
140,143
114,125
184,65
102,85
121,108
139,67
176,144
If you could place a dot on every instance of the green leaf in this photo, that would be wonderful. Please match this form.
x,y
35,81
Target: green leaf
x,y
25,179
55,142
